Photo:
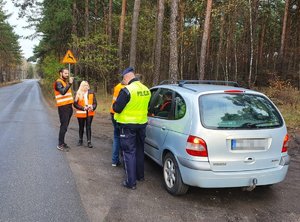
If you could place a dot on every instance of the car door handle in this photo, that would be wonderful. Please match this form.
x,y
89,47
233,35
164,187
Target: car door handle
x,y
163,128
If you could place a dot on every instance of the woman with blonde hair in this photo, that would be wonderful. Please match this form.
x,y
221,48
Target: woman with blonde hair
x,y
85,103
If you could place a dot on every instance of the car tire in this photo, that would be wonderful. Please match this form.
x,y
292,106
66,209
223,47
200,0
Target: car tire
x,y
172,177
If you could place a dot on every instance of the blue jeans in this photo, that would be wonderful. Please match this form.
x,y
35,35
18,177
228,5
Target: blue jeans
x,y
116,142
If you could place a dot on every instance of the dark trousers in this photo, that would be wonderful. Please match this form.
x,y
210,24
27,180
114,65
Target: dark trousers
x,y
132,143
88,126
65,112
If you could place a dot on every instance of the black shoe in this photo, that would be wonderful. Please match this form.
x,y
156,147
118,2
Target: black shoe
x,y
66,146
90,145
124,184
79,143
141,179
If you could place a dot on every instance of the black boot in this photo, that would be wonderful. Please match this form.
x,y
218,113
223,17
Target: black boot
x,y
79,143
90,144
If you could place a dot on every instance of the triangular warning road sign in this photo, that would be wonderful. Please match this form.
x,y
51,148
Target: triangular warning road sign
x,y
69,58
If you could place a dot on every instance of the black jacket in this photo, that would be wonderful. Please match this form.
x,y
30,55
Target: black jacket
x,y
62,90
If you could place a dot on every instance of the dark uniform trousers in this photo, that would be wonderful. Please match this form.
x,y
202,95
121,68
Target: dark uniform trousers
x,y
65,113
132,143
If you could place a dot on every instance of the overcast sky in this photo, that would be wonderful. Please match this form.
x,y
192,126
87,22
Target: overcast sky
x,y
18,24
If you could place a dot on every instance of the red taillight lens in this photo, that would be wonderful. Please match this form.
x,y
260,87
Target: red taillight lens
x,y
196,146
285,144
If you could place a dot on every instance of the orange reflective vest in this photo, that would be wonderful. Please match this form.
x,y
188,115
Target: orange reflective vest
x,y
117,90
62,100
83,113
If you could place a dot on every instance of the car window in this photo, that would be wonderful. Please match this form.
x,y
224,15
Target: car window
x,y
166,104
161,104
152,102
238,111
180,107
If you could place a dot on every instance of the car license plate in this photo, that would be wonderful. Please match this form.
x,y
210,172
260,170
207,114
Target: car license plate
x,y
249,144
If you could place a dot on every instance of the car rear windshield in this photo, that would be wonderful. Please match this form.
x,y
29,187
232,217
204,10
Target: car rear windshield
x,y
238,111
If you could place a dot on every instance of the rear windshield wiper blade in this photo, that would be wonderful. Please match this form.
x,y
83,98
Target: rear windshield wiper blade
x,y
248,125
255,125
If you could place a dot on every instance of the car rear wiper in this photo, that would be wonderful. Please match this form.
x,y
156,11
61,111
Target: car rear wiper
x,y
256,125
249,125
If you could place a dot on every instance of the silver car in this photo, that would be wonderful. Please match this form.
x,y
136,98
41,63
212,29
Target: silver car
x,y
208,135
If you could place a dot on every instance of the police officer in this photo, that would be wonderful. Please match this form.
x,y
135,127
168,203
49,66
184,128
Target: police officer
x,y
64,101
131,108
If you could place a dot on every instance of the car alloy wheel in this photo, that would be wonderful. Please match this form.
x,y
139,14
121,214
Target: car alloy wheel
x,y
172,177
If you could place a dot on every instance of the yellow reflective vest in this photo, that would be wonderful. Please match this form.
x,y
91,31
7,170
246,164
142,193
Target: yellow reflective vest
x,y
62,100
136,110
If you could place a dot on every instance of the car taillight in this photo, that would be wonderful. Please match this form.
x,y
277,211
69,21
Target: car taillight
x,y
285,144
196,146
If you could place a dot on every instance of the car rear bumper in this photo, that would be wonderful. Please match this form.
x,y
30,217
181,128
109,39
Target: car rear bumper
x,y
209,179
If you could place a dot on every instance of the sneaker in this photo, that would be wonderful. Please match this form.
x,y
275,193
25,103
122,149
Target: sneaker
x,y
116,164
124,184
79,143
90,145
62,148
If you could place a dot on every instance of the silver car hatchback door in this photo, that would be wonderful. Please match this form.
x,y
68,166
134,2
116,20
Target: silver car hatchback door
x,y
242,131
244,150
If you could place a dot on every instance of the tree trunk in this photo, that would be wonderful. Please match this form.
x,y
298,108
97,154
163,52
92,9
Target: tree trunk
x,y
283,34
74,19
110,21
235,45
86,30
251,44
235,61
226,72
96,15
159,31
220,44
121,34
173,64
134,31
181,34
86,18
205,40
261,44
74,32
103,3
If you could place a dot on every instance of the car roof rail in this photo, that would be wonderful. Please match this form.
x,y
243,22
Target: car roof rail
x,y
212,82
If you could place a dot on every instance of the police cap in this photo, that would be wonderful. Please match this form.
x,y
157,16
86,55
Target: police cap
x,y
127,70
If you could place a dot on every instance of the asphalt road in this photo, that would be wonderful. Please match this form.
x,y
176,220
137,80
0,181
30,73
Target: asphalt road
x,y
36,183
